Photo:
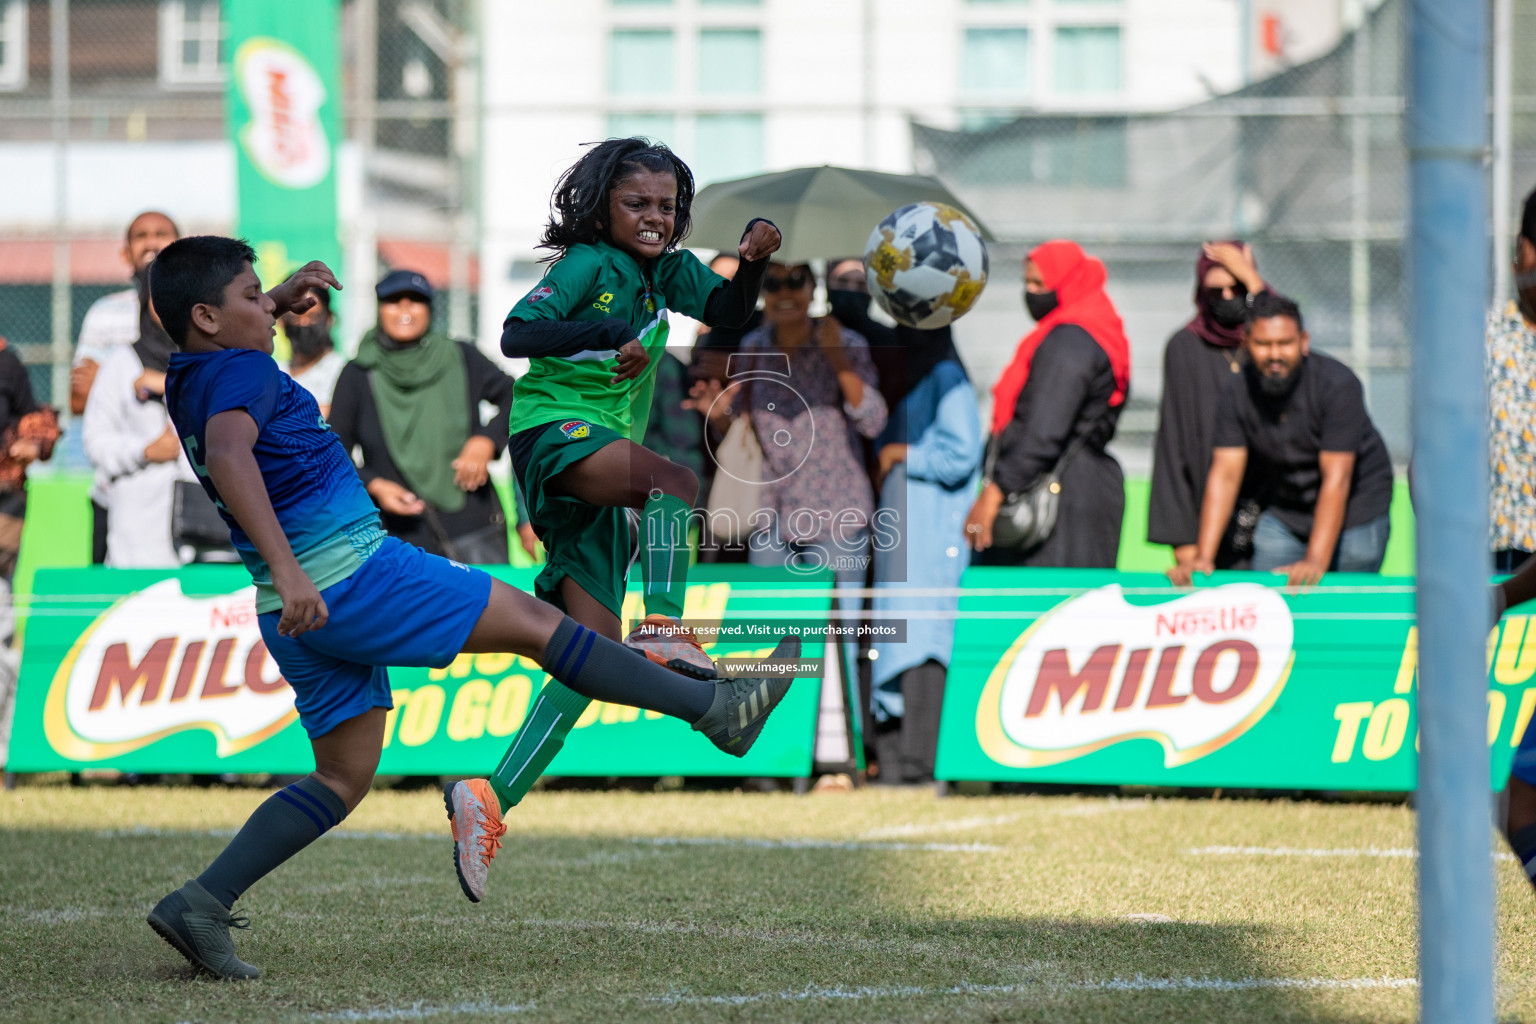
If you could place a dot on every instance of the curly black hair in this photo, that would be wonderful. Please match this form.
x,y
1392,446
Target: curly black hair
x,y
580,203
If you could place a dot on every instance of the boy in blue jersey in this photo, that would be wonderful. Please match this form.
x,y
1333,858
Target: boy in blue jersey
x,y
1520,819
328,582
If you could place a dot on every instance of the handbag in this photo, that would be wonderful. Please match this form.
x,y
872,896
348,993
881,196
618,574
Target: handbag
x,y
485,546
736,495
195,520
1027,518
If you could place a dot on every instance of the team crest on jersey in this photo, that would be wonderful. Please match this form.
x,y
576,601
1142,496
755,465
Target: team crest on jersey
x,y
575,429
540,294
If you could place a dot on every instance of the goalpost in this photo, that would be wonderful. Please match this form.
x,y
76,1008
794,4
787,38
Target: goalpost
x,y
1448,137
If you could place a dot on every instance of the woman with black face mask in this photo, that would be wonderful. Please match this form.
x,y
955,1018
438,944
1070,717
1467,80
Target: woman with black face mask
x,y
1054,409
1199,359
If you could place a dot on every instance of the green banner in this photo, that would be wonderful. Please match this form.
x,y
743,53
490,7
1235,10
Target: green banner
x,y
284,114
1101,677
151,671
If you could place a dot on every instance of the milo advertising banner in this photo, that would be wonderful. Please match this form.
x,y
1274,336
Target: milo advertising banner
x,y
284,105
166,672
1102,677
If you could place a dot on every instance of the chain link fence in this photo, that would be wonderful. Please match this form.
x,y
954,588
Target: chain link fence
x,y
1309,166
109,108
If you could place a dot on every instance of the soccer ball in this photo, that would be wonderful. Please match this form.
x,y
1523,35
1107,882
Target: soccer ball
x,y
926,264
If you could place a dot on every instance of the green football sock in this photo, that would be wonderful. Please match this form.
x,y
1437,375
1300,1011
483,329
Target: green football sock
x,y
584,667
664,554
550,719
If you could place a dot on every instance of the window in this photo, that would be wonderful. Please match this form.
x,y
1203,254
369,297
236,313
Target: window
x,y
640,62
657,127
995,62
730,61
727,146
1088,59
13,44
190,33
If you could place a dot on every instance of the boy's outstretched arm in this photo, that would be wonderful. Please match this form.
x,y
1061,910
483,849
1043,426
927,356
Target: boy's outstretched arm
x,y
230,436
292,296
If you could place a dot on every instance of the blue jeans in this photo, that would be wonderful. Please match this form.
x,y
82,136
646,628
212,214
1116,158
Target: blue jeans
x,y
1360,548
1508,560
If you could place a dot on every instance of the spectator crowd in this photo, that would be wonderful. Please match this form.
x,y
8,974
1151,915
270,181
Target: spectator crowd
x,y
837,443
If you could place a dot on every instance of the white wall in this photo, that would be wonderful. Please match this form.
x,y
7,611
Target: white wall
x,y
546,84
107,183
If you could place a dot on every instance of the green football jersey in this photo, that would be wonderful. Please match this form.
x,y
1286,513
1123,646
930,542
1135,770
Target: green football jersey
x,y
594,282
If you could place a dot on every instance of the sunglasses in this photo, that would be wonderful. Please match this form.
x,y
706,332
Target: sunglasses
x,y
794,281
1218,294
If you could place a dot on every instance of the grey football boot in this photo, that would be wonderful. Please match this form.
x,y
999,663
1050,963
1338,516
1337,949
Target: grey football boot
x,y
197,926
742,705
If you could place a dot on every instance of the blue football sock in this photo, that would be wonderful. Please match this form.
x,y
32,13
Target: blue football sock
x,y
1524,844
284,824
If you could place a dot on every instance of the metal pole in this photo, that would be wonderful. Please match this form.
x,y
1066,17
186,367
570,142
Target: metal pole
x,y
1360,206
1503,154
62,315
362,261
1245,39
867,79
464,138
1447,132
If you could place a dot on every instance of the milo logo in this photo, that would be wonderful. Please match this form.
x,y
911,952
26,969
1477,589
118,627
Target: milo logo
x,y
158,663
1192,674
284,139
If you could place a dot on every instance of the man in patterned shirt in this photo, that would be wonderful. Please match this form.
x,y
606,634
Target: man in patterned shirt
x,y
1511,366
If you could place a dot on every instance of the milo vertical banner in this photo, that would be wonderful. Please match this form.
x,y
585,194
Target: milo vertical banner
x,y
1099,677
284,114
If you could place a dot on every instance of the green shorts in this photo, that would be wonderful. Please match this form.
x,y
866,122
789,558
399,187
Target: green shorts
x,y
591,544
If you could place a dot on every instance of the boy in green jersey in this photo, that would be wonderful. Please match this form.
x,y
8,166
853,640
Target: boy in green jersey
x,y
591,328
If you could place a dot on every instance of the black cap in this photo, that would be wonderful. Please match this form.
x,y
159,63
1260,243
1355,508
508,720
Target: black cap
x,y
403,282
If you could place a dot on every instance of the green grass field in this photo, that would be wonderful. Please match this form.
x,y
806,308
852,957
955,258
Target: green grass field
x,y
862,906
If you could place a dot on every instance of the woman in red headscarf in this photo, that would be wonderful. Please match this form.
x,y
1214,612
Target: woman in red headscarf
x,y
1067,383
1200,358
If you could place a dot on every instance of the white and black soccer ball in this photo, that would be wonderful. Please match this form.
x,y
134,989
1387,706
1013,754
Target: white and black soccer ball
x,y
926,264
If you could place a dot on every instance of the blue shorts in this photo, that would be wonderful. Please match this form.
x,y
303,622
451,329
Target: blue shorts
x,y
401,607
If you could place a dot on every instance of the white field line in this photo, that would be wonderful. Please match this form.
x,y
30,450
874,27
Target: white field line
x,y
1404,852
916,828
52,915
819,844
745,842
1110,805
421,1011
1136,984
359,882
145,831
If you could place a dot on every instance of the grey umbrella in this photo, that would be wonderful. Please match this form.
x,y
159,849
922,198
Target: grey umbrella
x,y
823,212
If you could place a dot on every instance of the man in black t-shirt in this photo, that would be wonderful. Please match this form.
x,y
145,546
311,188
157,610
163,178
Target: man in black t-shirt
x,y
1325,473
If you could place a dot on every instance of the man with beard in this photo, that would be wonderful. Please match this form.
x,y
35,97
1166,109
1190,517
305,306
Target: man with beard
x,y
315,364
1511,371
111,323
1324,472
